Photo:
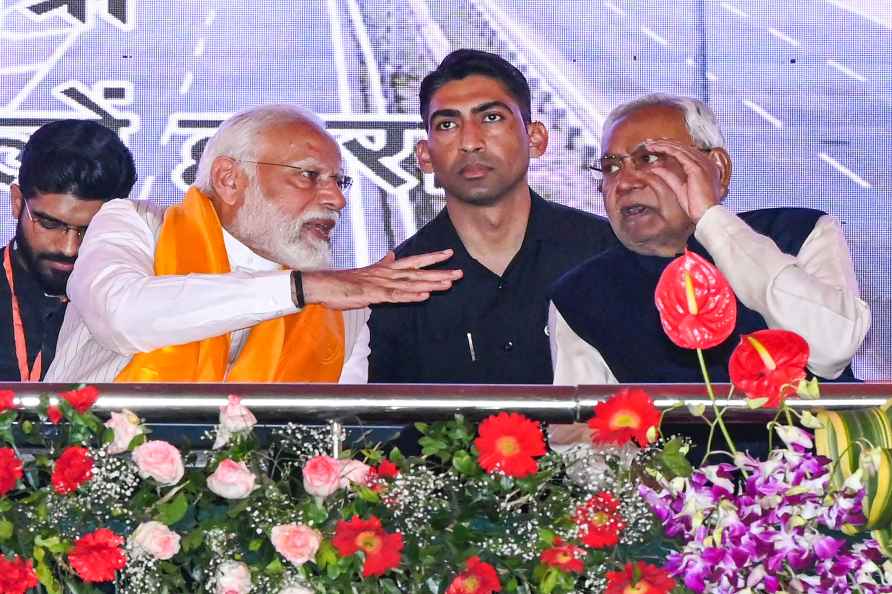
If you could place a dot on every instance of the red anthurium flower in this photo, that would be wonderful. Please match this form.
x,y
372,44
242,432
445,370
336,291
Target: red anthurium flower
x,y
565,557
599,521
7,400
510,443
81,400
382,549
97,556
73,468
16,575
54,414
651,580
769,364
697,306
478,577
628,414
10,471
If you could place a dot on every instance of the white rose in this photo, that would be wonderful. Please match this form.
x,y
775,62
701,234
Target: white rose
x,y
156,539
233,577
232,480
234,418
126,426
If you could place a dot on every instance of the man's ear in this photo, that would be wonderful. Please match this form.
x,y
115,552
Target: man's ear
x,y
423,156
227,180
16,200
722,160
538,138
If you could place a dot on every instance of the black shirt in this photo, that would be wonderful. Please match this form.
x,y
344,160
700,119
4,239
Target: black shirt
x,y
41,315
487,329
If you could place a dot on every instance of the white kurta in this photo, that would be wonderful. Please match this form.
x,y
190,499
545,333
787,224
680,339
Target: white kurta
x,y
814,294
119,307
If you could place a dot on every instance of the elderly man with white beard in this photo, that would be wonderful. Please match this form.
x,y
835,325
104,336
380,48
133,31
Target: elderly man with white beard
x,y
231,284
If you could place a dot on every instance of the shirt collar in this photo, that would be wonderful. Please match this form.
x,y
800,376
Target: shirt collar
x,y
241,256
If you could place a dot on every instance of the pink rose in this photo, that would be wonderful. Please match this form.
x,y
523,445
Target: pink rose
x,y
126,426
233,577
232,480
159,460
156,539
296,590
322,476
355,472
296,542
234,418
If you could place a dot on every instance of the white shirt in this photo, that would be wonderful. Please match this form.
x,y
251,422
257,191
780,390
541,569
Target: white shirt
x,y
814,294
119,307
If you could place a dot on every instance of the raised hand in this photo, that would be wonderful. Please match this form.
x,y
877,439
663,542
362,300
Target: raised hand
x,y
701,188
387,281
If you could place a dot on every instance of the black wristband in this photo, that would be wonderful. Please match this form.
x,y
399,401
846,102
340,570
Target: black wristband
x,y
297,289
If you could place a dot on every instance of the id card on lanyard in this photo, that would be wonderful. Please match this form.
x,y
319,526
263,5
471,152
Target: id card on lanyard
x,y
18,327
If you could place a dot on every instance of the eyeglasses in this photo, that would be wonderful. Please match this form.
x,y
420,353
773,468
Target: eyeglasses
x,y
609,165
310,179
54,225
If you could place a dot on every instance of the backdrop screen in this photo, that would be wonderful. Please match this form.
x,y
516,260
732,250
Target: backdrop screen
x,y
801,88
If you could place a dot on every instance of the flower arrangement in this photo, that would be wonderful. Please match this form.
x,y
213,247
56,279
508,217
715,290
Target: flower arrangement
x,y
105,507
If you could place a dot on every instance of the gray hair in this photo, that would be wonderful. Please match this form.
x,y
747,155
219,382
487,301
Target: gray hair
x,y
699,119
239,136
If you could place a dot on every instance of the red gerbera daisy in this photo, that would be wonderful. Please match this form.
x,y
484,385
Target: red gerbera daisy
x,y
81,400
769,364
628,414
97,556
510,442
651,580
599,521
382,549
564,556
478,577
16,575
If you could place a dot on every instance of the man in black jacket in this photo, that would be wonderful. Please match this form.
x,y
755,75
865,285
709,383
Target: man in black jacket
x,y
510,243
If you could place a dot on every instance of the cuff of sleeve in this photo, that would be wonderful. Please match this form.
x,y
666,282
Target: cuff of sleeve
x,y
273,290
716,225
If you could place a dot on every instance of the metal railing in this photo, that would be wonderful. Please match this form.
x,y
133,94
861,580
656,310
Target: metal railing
x,y
314,403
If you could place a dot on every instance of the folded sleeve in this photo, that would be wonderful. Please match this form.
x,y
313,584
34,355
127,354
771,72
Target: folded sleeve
x,y
574,361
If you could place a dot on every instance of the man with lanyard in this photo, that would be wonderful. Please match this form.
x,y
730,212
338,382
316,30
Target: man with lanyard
x,y
68,170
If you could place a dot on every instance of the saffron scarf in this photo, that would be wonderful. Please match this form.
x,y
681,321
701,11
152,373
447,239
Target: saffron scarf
x,y
307,346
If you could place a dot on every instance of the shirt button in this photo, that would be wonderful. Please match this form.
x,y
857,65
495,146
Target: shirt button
x,y
507,346
501,285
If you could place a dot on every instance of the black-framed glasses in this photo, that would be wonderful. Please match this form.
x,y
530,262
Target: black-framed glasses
x,y
610,165
54,225
310,178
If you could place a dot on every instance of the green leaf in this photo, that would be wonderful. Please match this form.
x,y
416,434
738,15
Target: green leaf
x,y
45,573
326,555
173,511
6,529
194,539
274,567
463,463
255,545
549,581
367,494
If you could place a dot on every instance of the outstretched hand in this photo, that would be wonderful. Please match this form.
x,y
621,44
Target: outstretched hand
x,y
387,281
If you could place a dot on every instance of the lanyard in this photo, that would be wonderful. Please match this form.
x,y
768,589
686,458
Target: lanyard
x,y
18,328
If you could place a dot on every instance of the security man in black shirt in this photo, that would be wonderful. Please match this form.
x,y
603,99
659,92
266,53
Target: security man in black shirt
x,y
510,243
69,168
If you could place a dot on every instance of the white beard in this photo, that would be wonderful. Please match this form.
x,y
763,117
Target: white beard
x,y
267,230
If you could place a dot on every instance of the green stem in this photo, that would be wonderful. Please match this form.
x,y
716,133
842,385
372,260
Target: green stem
x,y
715,406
